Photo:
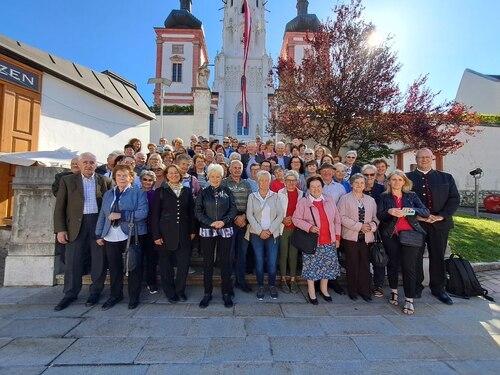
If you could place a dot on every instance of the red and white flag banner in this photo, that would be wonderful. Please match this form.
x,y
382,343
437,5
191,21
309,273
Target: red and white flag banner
x,y
246,46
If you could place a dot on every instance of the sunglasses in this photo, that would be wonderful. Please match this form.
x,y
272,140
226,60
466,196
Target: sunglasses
x,y
369,174
147,180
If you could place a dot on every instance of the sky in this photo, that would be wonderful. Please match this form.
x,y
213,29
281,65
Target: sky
x,y
441,38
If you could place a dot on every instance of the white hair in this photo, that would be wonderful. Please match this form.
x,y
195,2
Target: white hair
x,y
352,152
261,174
215,168
234,156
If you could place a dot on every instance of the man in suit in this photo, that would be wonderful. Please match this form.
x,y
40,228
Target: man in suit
x,y
249,158
75,217
283,160
437,190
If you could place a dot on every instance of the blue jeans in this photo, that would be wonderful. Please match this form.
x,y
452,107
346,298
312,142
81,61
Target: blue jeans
x,y
239,247
260,248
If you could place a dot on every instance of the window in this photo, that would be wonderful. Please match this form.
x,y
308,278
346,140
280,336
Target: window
x,y
241,130
257,3
176,72
211,124
178,49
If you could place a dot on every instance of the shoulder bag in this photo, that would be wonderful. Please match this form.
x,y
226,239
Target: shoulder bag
x,y
378,255
132,254
305,241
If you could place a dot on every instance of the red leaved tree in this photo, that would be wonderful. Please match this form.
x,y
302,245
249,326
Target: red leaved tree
x,y
344,93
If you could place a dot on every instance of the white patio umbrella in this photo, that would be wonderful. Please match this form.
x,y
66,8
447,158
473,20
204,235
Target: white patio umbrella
x,y
57,158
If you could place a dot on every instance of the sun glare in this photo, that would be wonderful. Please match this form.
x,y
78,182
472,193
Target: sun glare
x,y
375,39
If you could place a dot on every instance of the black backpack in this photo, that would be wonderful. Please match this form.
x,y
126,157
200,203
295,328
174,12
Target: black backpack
x,y
461,279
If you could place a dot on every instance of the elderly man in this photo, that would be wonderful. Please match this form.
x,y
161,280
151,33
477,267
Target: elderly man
x,y
283,160
140,163
331,188
226,144
438,191
241,190
339,175
106,169
209,157
75,217
350,168
250,157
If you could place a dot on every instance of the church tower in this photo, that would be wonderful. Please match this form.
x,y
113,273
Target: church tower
x,y
180,52
294,40
229,70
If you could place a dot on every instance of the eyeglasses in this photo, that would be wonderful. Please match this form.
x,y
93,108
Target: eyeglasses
x,y
225,142
157,170
369,174
147,180
350,157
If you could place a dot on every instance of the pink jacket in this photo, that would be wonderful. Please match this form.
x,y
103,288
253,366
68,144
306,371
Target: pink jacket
x,y
302,217
348,209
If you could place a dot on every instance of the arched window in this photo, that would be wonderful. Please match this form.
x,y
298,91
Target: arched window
x,y
241,130
257,3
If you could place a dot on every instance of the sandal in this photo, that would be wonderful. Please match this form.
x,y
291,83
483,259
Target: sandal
x,y
394,299
378,292
408,308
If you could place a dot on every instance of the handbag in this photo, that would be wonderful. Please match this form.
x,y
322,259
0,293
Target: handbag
x,y
132,254
305,241
411,238
378,255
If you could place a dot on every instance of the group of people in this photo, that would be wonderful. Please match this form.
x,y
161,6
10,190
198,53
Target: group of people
x,y
222,199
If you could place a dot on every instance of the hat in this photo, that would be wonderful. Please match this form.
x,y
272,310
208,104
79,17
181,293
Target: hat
x,y
325,166
204,140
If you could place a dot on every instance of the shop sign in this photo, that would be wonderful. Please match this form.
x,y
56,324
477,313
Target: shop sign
x,y
25,78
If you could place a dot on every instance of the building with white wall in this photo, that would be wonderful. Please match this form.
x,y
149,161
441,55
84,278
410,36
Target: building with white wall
x,y
47,102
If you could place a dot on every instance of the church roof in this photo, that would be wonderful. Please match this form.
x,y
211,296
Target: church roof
x,y
303,23
182,19
107,85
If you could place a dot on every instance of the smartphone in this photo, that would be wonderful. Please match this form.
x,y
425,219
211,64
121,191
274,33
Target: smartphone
x,y
408,211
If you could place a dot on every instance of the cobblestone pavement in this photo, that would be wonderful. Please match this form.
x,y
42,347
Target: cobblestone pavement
x,y
490,280
283,336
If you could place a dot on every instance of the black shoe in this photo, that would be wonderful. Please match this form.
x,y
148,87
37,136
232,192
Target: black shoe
x,y
336,287
325,297
245,288
65,302
367,298
133,304
205,301
173,299
354,297
182,297
110,303
228,302
312,301
92,300
443,297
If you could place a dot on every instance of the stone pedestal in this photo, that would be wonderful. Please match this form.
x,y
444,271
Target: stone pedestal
x,y
30,259
202,99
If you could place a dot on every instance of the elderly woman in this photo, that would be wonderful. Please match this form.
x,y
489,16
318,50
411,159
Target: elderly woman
x,y
358,214
308,155
160,179
264,214
120,206
173,227
399,210
215,209
374,190
154,161
279,178
288,254
381,178
149,254
317,213
296,164
167,157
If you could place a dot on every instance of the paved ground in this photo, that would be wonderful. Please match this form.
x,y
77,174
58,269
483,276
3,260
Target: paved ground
x,y
286,336
482,213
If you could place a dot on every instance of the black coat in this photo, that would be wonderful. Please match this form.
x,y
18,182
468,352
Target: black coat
x,y
172,218
388,222
208,208
445,196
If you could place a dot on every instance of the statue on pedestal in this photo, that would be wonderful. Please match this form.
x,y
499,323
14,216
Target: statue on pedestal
x,y
203,75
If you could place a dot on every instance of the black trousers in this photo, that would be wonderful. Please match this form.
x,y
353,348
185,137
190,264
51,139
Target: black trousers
x,y
167,260
357,267
113,252
149,258
406,257
208,246
437,239
378,276
77,253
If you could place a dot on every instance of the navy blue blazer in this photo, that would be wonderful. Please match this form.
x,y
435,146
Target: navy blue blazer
x,y
132,200
388,222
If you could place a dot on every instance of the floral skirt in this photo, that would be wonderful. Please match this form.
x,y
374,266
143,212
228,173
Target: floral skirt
x,y
324,264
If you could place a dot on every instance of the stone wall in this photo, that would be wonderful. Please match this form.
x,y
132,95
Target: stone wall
x,y
467,197
30,259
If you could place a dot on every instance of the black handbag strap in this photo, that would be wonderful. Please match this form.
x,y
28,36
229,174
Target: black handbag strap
x,y
131,227
312,214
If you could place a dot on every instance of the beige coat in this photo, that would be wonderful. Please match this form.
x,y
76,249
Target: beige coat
x,y
348,209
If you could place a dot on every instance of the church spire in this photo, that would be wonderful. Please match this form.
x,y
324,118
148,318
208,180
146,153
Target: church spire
x,y
302,7
186,5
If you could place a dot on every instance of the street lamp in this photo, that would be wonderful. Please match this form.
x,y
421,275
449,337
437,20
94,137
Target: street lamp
x,y
162,82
